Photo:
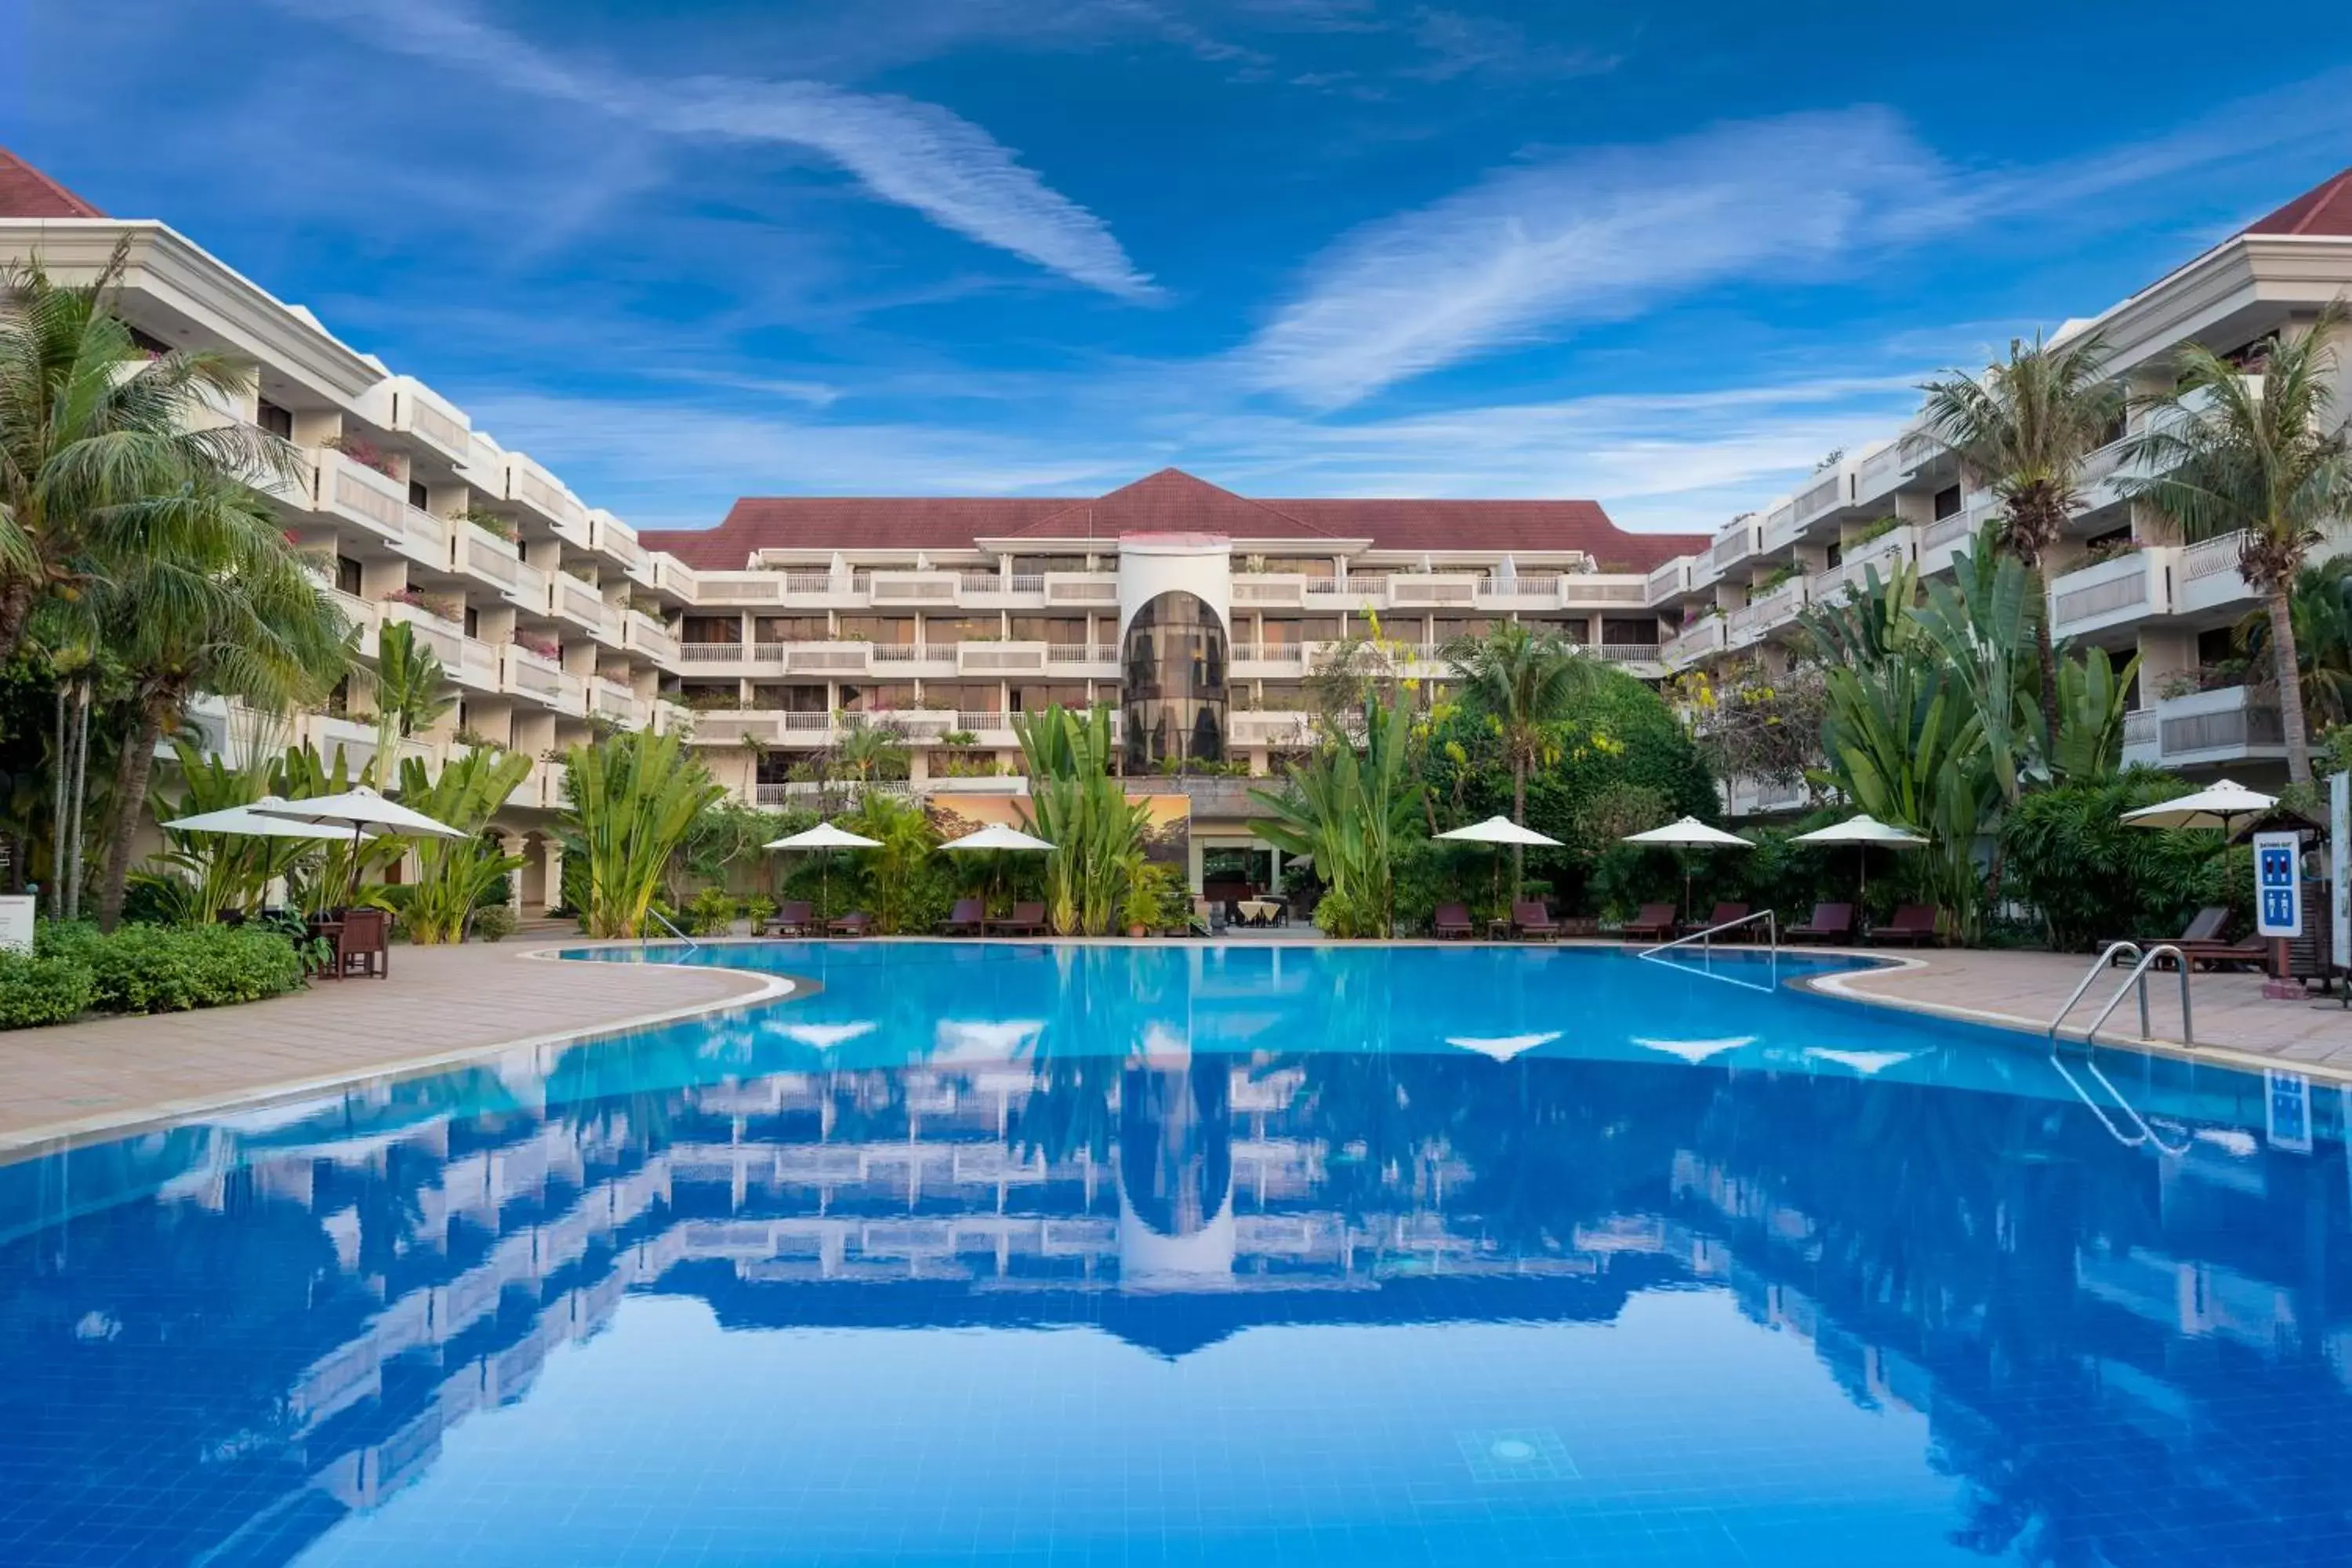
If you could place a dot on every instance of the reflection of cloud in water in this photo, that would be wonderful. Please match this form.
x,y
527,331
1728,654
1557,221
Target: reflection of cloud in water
x,y
1505,1049
962,1039
824,1037
1161,1043
1864,1062
1696,1051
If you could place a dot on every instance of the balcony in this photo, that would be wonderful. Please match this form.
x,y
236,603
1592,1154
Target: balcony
x,y
538,490
2112,594
1370,590
539,678
1269,589
610,700
1817,500
1883,555
545,783
979,657
1097,659
1433,591
1779,530
355,494
932,589
2209,728
487,557
1753,621
1947,536
717,654
1627,653
2207,577
612,537
1667,582
415,410
2141,748
1271,727
1578,588
825,658
1733,545
582,604
911,659
477,666
676,578
1081,587
1703,637
1883,471
1264,662
640,633
443,638
1001,590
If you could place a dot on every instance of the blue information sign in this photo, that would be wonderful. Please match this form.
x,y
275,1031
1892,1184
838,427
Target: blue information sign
x,y
2278,884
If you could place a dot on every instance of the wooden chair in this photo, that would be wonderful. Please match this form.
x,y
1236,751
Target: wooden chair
x,y
1725,913
793,917
1655,922
1530,918
1830,922
1026,919
1451,920
2204,930
968,918
362,944
1914,925
856,922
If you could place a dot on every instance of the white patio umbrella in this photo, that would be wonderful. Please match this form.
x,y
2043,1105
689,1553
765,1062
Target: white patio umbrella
x,y
996,837
360,810
825,835
1689,833
2216,806
254,820
1863,831
1498,831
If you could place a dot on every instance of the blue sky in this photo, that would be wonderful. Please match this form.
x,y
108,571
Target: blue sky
x,y
1664,258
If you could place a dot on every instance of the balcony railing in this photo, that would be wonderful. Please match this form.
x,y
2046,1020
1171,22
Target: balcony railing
x,y
716,652
1626,652
2214,556
649,636
1081,653
1667,581
1081,588
2108,590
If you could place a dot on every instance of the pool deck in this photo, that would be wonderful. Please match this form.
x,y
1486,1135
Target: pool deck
x,y
441,1006
445,1005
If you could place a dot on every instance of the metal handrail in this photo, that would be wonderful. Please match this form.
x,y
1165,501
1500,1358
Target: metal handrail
x,y
1771,929
691,945
2106,956
2145,1133
2138,977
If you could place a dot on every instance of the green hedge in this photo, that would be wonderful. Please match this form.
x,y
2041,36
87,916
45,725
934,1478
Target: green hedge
x,y
141,968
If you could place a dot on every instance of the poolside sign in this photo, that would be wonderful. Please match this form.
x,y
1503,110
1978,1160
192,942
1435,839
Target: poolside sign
x,y
2278,885
2340,834
16,923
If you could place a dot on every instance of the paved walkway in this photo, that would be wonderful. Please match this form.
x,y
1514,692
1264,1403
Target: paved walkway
x,y
2024,989
442,1004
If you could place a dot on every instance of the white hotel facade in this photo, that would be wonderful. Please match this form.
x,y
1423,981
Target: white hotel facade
x,y
1193,612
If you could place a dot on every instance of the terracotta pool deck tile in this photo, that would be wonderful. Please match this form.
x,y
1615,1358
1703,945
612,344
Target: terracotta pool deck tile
x,y
438,1003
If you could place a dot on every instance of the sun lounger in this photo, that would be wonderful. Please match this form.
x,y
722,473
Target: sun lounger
x,y
1830,922
1914,925
2205,928
1654,924
1724,914
1530,918
856,922
968,918
1451,920
793,917
1026,919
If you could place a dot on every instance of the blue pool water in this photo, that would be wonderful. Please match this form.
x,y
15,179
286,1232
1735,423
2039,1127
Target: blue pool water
x,y
1029,1255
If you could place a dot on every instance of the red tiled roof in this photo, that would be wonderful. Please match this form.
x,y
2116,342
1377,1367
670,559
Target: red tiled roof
x,y
2324,209
1170,501
25,192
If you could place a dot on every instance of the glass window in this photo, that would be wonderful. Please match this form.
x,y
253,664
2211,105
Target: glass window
x,y
713,629
1049,628
1642,631
792,628
1038,696
898,631
882,698
1175,677
968,628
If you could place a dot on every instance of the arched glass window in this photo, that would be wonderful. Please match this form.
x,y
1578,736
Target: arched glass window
x,y
1173,669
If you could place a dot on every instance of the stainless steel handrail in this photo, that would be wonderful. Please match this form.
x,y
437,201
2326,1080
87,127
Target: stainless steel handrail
x,y
2106,956
2138,977
691,945
1771,929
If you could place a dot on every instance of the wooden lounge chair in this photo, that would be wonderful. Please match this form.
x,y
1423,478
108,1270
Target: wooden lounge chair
x,y
1830,922
2248,953
2204,929
1655,922
1450,921
1530,918
968,918
1724,914
1914,925
793,917
856,922
362,944
1026,919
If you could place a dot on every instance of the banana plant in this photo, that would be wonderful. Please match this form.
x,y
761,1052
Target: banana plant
x,y
1077,806
453,874
2092,699
1982,623
1351,814
633,800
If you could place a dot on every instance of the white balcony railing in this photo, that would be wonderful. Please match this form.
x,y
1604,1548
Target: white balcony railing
x,y
648,636
1001,657
714,652
1667,581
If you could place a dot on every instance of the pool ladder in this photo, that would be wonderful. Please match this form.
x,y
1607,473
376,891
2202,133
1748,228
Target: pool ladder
x,y
691,945
2136,1131
2137,978
1771,933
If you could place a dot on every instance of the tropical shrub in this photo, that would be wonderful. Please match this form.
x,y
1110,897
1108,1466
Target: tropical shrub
x,y
170,969
903,884
492,922
630,802
1077,806
456,876
711,913
2094,877
36,991
1356,816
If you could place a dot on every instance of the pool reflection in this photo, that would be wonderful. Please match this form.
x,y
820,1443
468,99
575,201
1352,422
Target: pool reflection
x,y
2111,1350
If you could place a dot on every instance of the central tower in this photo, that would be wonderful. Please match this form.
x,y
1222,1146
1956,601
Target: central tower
x,y
1175,606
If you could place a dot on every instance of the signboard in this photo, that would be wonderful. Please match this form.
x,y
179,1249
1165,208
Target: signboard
x,y
2339,836
2287,1113
16,923
2278,885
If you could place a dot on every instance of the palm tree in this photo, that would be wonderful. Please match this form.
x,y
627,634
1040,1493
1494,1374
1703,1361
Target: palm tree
x,y
2024,431
242,619
411,692
2230,452
98,462
2320,608
1525,683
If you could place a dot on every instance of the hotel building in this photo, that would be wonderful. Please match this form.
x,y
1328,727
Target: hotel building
x,y
1192,612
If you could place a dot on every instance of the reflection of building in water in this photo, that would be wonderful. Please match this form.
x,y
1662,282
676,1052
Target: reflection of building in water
x,y
437,1264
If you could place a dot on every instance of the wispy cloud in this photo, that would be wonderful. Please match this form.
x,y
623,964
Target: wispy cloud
x,y
1591,235
916,154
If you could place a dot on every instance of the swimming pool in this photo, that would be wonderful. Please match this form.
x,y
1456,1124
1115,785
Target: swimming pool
x,y
1035,1254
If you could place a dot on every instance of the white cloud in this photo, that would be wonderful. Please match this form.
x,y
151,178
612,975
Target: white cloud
x,y
1591,235
917,155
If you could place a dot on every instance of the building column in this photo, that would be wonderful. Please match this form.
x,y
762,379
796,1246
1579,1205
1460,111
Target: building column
x,y
550,850
513,844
